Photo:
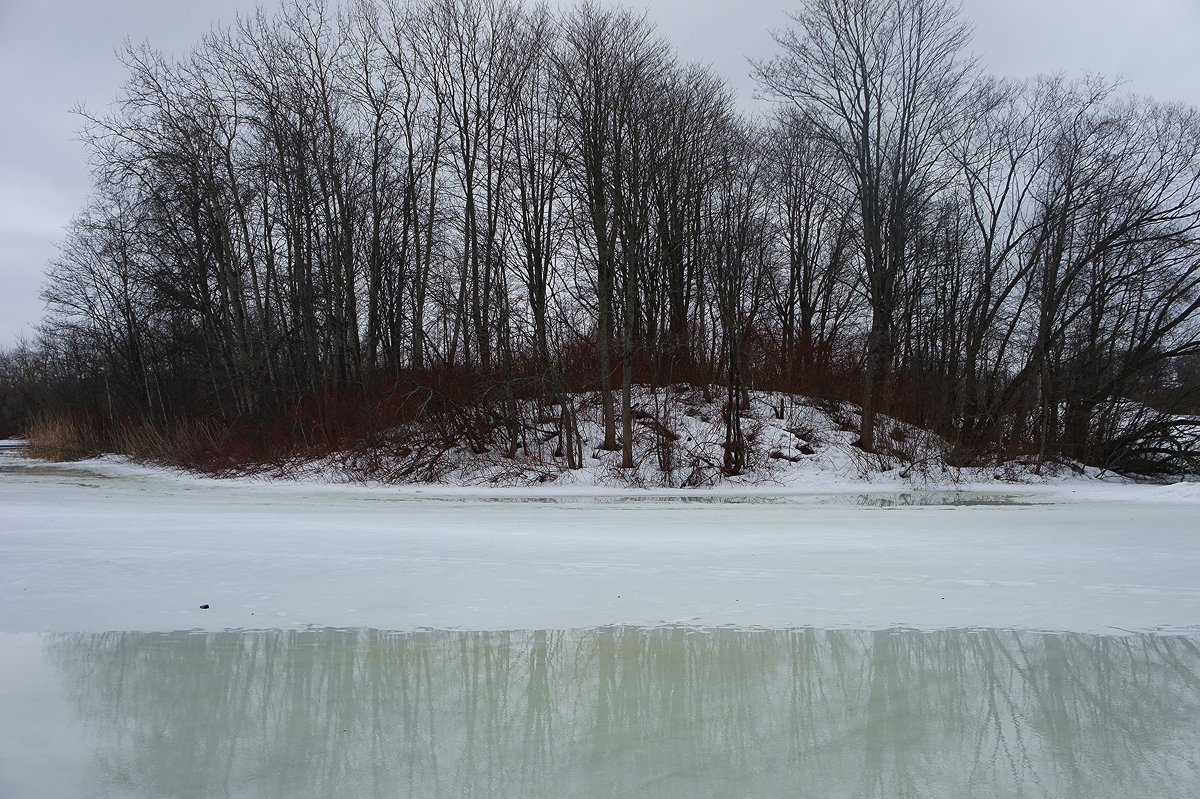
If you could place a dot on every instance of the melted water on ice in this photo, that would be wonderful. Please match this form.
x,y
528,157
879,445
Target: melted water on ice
x,y
622,711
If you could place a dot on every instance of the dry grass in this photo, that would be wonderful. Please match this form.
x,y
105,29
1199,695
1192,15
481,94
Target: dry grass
x,y
59,437
201,445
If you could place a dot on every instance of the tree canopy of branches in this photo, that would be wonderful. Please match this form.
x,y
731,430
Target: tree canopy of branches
x,y
400,205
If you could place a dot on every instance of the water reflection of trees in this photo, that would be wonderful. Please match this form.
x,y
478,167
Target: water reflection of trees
x,y
633,712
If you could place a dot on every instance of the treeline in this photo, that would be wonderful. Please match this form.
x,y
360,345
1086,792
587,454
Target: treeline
x,y
326,219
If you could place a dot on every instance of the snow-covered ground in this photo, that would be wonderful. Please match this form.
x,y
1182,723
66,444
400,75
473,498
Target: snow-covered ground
x,y
791,442
108,545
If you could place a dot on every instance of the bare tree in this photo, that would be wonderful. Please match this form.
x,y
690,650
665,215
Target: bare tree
x,y
878,80
344,224
737,265
603,61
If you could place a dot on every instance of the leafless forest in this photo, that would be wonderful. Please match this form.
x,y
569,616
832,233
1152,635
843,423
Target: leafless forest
x,y
476,214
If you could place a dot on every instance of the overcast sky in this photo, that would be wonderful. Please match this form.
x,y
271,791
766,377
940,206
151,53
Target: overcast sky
x,y
56,53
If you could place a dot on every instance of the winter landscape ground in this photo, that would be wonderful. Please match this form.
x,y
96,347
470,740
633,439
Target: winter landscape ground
x,y
107,545
478,398
991,639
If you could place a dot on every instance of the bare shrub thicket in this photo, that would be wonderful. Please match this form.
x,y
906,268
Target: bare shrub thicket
x,y
392,226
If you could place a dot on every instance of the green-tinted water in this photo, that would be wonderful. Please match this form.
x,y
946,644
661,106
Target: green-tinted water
x,y
604,713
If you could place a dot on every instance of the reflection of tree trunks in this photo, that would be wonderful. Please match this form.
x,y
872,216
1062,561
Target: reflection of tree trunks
x,y
536,713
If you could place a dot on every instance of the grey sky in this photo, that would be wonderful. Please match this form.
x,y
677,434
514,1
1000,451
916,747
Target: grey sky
x,y
55,53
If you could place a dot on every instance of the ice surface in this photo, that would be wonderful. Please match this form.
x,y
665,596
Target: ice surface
x,y
586,640
111,546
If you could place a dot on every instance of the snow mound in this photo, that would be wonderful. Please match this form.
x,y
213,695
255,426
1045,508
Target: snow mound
x,y
680,433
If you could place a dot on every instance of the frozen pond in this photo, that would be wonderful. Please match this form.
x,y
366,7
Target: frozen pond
x,y
610,712
385,642
98,546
